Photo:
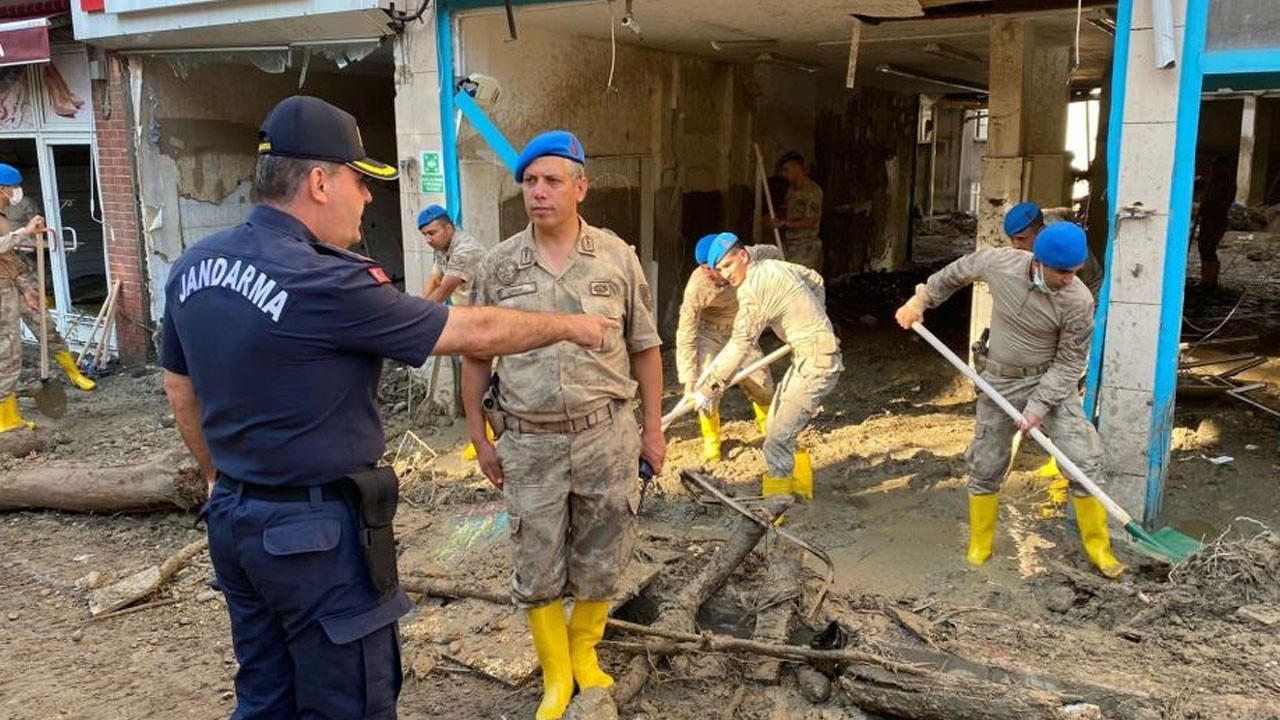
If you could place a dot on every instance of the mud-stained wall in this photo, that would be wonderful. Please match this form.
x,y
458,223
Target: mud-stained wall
x,y
197,145
865,139
669,141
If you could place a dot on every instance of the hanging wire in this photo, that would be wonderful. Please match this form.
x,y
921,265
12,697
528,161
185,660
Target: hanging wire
x,y
613,49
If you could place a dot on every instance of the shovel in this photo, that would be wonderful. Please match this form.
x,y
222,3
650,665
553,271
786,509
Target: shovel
x,y
51,398
685,406
1166,544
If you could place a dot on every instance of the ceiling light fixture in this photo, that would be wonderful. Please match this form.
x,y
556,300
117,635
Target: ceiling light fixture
x,y
725,45
951,52
769,58
945,82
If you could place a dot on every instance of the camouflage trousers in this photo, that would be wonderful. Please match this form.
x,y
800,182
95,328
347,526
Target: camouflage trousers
x,y
809,379
572,500
988,454
11,304
758,386
804,252
31,318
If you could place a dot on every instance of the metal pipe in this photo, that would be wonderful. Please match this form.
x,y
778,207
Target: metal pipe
x,y
1162,23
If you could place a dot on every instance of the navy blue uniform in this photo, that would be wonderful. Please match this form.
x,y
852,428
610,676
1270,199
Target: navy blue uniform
x,y
283,338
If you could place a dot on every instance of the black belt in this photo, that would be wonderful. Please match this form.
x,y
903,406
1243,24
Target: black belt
x,y
284,493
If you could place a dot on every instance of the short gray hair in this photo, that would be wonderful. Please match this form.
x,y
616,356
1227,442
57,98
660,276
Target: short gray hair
x,y
277,179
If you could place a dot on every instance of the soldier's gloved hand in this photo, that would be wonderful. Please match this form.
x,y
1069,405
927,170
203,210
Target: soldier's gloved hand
x,y
908,316
701,401
487,456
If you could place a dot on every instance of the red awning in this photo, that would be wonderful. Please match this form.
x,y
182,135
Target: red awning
x,y
23,42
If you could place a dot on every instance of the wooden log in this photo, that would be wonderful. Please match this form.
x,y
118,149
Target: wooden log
x,y
143,584
157,484
774,623
679,613
938,696
20,442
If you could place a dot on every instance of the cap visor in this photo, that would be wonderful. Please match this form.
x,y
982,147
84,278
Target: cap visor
x,y
374,169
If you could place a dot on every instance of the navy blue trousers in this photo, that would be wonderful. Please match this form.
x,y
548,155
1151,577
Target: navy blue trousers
x,y
313,638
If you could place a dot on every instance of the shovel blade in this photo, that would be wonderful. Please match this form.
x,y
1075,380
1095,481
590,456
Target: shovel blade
x,y
51,398
1166,544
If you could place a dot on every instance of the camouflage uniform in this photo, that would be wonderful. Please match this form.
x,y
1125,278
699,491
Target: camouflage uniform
x,y
803,247
13,286
460,261
706,320
571,446
1038,349
790,300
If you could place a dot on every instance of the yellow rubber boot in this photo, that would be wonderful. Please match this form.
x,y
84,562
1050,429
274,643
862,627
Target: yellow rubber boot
x,y
1049,469
67,362
762,416
803,474
551,641
586,628
1092,519
770,486
710,424
10,417
469,452
983,510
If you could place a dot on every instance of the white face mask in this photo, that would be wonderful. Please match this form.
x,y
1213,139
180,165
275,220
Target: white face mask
x,y
1037,279
15,195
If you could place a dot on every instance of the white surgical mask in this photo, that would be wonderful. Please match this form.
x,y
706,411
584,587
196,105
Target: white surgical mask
x,y
15,195
1037,279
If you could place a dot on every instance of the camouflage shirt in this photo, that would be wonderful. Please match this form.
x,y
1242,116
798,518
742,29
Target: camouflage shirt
x,y
789,299
708,306
602,276
804,202
1028,327
460,261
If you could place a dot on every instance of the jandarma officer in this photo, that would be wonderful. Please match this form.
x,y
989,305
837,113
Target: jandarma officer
x,y
274,335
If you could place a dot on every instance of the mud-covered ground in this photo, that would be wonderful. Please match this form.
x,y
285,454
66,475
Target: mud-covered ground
x,y
890,511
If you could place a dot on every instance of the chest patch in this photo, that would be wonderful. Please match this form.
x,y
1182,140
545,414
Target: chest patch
x,y
601,288
379,275
511,291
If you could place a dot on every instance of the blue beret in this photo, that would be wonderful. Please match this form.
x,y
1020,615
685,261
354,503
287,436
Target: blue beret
x,y
720,246
9,176
1061,246
1020,217
432,212
560,143
704,244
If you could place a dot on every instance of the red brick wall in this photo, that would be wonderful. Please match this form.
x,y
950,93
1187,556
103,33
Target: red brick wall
x,y
118,181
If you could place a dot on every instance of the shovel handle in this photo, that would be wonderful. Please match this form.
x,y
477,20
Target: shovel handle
x,y
683,407
1064,463
44,319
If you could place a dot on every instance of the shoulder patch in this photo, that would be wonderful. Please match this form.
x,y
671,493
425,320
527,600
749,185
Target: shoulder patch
x,y
646,296
379,275
601,288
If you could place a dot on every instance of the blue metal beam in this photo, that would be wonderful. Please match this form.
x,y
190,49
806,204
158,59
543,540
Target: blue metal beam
x,y
1221,62
1115,124
448,125
1175,264
488,131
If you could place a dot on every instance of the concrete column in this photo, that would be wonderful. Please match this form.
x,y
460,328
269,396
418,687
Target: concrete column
x,y
1006,140
1248,133
1048,85
418,129
1127,394
1263,118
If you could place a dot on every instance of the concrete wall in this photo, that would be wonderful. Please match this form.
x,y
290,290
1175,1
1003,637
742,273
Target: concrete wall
x,y
866,138
672,133
196,139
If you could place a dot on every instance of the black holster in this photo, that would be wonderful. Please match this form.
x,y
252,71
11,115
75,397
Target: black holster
x,y
378,494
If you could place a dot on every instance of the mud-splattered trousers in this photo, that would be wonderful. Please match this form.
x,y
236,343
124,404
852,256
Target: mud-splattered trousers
x,y
1065,424
572,498
812,376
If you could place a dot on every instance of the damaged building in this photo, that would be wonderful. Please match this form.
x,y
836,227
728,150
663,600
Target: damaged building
x,y
907,113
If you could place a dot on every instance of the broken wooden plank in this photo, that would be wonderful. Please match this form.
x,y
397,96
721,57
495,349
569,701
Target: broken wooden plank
x,y
144,583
